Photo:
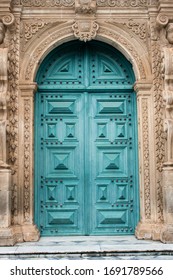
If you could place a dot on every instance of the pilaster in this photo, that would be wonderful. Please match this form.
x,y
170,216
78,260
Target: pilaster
x,y
147,227
29,230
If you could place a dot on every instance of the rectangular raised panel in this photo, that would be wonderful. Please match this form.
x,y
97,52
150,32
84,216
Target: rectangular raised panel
x,y
60,107
61,217
111,107
111,218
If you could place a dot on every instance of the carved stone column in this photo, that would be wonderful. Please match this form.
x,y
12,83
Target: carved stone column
x,y
167,232
147,227
30,231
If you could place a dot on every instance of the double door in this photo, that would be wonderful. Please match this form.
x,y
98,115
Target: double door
x,y
86,160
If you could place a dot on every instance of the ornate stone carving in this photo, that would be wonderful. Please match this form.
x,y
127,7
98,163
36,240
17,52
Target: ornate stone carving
x,y
139,28
85,6
168,97
158,116
122,3
3,105
85,30
27,108
44,3
8,19
146,159
41,48
12,135
162,20
100,3
31,28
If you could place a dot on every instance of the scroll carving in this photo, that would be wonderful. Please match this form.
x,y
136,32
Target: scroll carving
x,y
44,3
122,3
137,27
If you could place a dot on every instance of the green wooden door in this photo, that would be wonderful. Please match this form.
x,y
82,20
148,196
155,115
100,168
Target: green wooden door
x,y
86,180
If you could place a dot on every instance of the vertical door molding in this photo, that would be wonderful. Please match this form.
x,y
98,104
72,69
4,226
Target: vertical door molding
x,y
30,231
147,227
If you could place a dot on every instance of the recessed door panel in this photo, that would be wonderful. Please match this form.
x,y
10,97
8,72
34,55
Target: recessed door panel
x,y
85,143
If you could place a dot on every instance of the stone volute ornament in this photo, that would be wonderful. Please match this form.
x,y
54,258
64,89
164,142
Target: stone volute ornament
x,y
85,26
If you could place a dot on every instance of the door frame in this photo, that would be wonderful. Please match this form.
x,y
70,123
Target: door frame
x,y
95,90
150,224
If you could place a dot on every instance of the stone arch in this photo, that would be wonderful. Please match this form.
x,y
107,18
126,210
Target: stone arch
x,y
136,53
36,51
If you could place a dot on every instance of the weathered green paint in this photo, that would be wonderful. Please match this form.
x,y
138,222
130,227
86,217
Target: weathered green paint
x,y
86,171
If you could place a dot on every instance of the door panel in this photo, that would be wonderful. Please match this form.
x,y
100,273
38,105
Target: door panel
x,y
86,143
62,191
113,144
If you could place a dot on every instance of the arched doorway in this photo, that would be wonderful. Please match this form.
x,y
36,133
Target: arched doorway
x,y
86,163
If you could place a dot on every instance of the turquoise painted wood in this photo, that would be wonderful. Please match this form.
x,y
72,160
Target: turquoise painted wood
x,y
86,167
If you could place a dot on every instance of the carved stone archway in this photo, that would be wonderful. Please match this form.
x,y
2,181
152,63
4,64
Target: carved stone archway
x,y
149,226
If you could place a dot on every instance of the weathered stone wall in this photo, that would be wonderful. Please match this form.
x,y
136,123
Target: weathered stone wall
x,y
142,31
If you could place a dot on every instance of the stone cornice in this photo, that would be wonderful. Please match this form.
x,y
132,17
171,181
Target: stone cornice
x,y
166,7
5,6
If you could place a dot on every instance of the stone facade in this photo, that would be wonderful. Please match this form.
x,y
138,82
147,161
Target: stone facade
x,y
143,31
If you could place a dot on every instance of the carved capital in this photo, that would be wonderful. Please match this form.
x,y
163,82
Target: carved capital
x,y
85,30
8,19
162,20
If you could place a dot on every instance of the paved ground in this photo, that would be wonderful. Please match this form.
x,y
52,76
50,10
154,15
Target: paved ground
x,y
89,247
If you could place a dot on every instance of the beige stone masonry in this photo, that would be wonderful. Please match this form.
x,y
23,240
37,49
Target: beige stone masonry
x,y
29,30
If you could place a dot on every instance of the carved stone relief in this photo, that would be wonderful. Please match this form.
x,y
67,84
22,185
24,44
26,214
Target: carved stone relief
x,y
32,28
145,121
12,132
85,6
85,30
139,28
158,114
85,24
27,116
44,3
100,3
